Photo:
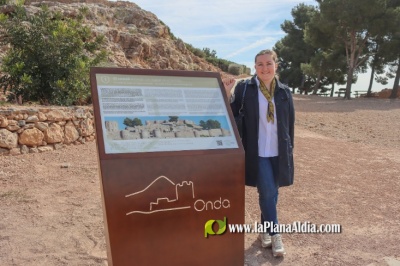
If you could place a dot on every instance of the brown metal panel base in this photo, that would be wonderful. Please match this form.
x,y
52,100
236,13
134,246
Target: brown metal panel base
x,y
157,207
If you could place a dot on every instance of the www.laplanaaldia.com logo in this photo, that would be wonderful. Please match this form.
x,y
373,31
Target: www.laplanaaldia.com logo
x,y
208,227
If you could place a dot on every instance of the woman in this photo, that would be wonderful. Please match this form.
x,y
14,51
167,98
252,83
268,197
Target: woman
x,y
268,133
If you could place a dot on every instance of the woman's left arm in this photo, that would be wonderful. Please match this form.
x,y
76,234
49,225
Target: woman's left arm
x,y
291,118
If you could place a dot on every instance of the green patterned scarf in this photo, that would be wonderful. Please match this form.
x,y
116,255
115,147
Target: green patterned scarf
x,y
268,95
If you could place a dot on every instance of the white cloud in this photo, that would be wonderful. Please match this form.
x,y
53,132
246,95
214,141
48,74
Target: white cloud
x,y
230,35
262,42
236,29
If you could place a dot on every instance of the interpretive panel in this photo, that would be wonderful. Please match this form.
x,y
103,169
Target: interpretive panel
x,y
171,167
143,113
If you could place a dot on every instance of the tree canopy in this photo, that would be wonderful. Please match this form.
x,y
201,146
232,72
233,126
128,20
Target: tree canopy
x,y
292,48
132,122
210,124
326,44
173,118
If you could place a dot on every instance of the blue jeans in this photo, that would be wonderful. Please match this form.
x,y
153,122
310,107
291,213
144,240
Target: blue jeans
x,y
267,187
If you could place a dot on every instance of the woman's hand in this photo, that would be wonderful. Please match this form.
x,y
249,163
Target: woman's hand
x,y
228,84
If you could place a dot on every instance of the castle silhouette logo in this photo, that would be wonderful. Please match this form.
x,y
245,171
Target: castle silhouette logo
x,y
179,195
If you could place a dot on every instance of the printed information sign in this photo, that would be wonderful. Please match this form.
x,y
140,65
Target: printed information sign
x,y
171,167
142,113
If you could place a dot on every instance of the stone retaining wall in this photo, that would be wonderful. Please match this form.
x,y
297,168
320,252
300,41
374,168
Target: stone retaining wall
x,y
33,130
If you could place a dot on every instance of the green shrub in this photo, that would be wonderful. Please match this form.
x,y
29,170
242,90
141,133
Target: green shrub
x,y
195,51
210,124
235,69
12,2
50,57
132,122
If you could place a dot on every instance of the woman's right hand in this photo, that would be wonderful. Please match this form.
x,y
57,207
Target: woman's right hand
x,y
228,84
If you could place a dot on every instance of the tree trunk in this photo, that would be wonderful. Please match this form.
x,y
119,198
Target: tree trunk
x,y
303,79
371,80
316,87
350,73
396,83
302,89
333,88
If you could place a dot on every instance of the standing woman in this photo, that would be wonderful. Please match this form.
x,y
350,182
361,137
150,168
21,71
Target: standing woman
x,y
268,133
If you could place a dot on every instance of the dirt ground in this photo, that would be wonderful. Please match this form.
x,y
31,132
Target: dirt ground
x,y
347,172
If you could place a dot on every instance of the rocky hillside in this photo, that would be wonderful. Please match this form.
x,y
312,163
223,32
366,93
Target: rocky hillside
x,y
135,37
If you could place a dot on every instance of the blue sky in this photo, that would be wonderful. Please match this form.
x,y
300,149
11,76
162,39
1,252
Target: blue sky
x,y
236,29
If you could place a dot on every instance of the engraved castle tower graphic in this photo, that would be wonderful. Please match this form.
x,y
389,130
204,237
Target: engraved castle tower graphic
x,y
165,195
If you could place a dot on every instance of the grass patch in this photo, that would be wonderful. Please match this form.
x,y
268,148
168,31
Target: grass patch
x,y
4,103
15,195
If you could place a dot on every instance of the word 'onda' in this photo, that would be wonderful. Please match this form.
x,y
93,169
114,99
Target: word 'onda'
x,y
201,205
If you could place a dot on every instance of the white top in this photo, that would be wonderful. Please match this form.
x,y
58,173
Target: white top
x,y
267,131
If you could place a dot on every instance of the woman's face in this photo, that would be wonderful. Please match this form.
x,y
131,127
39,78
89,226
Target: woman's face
x,y
265,68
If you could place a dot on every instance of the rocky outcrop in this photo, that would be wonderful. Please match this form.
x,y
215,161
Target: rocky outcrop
x,y
135,38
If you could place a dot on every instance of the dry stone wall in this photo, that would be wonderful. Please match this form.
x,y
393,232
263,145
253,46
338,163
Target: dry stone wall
x,y
33,130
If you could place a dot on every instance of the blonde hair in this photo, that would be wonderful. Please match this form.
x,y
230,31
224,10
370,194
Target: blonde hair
x,y
267,51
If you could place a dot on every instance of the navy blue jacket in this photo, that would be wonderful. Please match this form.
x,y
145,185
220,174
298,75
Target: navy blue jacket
x,y
285,119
